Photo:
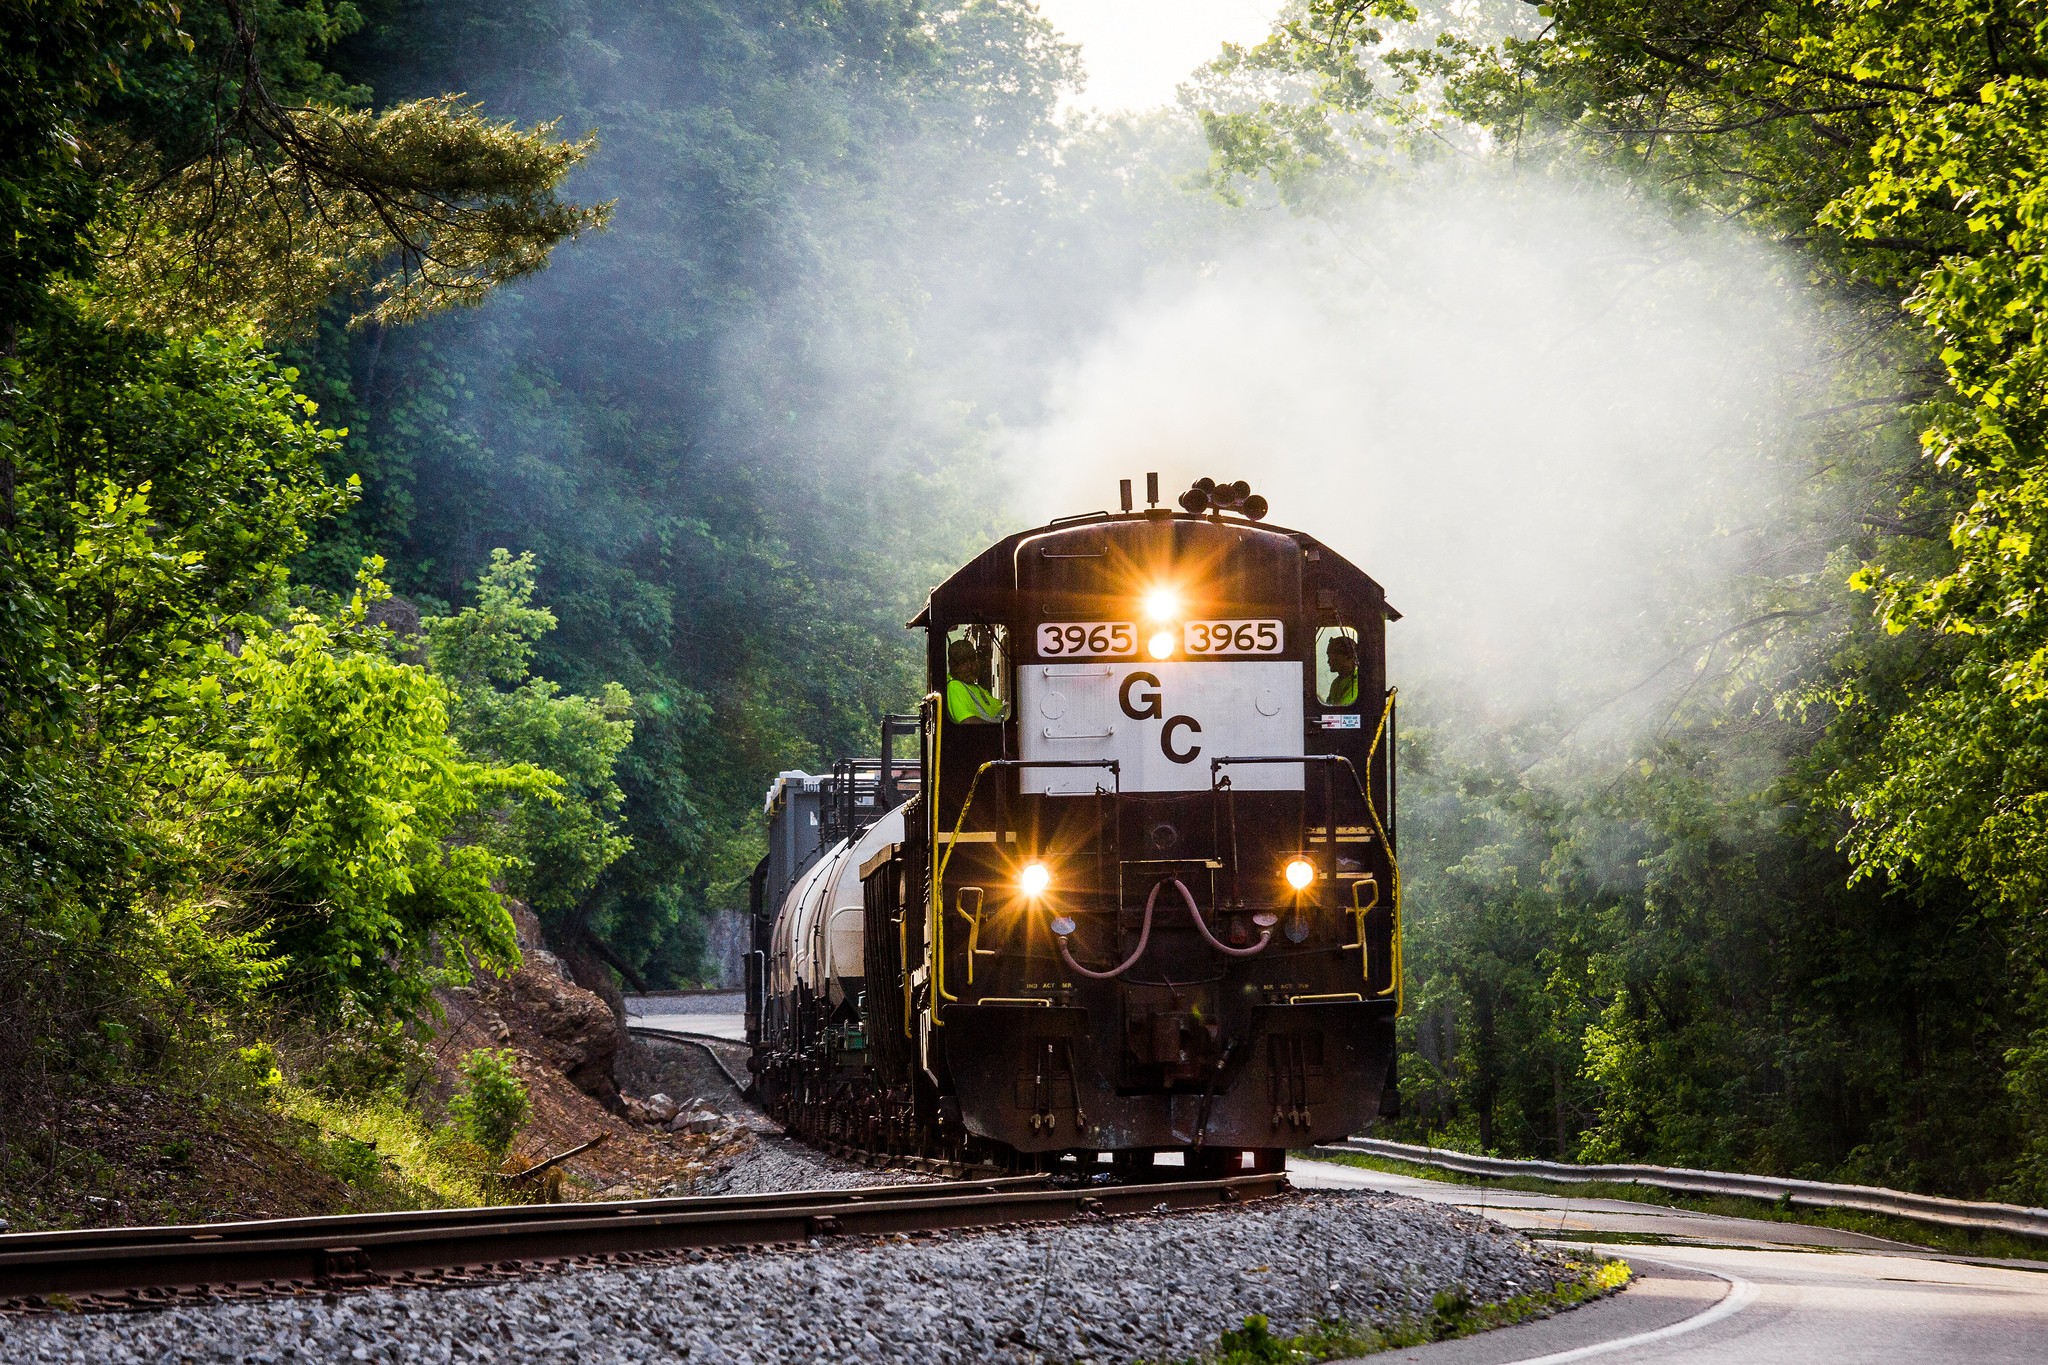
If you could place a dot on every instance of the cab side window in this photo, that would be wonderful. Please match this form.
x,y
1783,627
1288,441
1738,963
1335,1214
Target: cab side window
x,y
1337,667
977,686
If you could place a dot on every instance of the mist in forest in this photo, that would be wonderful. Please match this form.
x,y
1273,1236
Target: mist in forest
x,y
1549,424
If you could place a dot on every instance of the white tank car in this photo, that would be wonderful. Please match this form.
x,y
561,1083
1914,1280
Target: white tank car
x,y
819,937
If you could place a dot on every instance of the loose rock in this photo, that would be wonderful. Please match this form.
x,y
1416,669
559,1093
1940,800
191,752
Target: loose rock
x,y
1158,1286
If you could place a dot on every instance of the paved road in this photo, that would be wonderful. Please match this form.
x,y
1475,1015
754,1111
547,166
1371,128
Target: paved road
x,y
1737,1291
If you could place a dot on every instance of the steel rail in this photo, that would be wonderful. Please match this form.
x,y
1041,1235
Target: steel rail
x,y
1925,1208
357,1249
340,1224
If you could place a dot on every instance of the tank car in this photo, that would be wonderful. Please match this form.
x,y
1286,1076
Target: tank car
x,y
1136,890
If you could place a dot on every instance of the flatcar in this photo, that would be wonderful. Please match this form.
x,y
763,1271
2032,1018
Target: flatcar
x,y
1135,889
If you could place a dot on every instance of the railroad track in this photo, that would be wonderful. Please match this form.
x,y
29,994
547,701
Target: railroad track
x,y
127,1267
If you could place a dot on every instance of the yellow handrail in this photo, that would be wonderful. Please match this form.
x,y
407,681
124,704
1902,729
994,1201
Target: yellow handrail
x,y
1359,912
1395,987
936,961
936,704
973,922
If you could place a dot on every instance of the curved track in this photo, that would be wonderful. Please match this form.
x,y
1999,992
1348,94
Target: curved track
x,y
1733,1291
129,1265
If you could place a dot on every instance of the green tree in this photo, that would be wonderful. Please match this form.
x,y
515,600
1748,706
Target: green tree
x,y
707,423
1733,972
329,781
562,847
205,799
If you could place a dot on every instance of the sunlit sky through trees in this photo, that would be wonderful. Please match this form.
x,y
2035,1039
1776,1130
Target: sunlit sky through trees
x,y
1138,51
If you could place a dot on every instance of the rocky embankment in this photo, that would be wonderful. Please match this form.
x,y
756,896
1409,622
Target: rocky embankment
x,y
671,1119
571,1052
1153,1287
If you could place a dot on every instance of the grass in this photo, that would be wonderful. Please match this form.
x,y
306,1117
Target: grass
x,y
1451,1315
123,1153
388,1154
1933,1236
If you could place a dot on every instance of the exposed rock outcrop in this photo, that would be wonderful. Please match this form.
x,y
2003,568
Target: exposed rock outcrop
x,y
565,1040
572,1030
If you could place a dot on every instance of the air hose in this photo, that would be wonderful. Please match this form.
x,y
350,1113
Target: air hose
x,y
1145,935
1265,934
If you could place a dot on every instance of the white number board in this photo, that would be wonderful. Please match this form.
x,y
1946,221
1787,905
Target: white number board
x,y
1087,640
1162,723
1207,639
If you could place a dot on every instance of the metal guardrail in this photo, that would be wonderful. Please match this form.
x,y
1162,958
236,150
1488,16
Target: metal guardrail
x,y
1926,1208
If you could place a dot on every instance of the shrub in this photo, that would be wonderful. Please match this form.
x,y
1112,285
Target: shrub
x,y
491,1107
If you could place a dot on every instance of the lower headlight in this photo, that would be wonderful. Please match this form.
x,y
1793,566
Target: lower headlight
x,y
1034,879
1300,873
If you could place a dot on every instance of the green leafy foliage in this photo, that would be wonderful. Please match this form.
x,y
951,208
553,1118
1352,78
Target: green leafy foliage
x,y
215,808
559,848
1660,953
491,1107
59,59
705,424
334,786
241,180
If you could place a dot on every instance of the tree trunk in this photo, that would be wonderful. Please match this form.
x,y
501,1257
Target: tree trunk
x,y
1557,1101
1486,1078
10,346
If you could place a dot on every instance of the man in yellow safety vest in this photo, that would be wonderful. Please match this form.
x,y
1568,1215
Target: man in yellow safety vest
x,y
1342,652
967,701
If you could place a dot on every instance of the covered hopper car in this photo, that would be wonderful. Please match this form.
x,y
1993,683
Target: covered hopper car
x,y
1133,888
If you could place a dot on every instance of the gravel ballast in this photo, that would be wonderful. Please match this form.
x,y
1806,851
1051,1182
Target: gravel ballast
x,y
776,1164
767,1162
1148,1287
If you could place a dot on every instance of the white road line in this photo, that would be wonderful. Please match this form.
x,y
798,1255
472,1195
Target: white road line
x,y
1741,1293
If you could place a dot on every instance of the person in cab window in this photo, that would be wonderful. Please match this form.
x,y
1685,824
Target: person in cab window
x,y
1342,652
967,701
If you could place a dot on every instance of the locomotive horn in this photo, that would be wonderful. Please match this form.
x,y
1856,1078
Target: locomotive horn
x,y
1208,495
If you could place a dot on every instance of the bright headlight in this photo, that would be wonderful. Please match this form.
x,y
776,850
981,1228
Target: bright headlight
x,y
1034,879
1160,646
1162,604
1300,872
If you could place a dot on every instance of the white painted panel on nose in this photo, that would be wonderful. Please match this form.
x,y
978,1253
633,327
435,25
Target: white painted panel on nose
x,y
1161,722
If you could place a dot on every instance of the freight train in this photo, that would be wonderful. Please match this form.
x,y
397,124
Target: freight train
x,y
1131,885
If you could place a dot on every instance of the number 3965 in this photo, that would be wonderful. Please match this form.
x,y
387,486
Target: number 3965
x,y
1087,639
1233,637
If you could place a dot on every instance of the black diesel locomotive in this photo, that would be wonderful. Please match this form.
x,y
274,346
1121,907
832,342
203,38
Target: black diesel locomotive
x,y
1136,891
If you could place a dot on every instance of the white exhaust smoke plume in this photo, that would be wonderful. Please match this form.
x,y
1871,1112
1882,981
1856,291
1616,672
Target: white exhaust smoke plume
x,y
1546,422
